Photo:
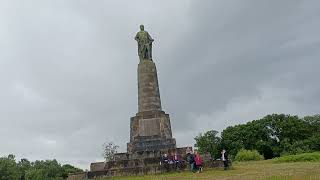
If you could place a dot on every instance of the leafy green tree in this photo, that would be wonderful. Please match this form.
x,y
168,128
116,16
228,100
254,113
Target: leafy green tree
x,y
313,122
209,142
36,174
49,169
67,169
286,126
8,168
272,135
288,131
37,170
24,165
232,139
252,135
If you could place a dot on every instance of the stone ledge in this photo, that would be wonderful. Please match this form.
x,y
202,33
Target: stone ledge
x,y
142,170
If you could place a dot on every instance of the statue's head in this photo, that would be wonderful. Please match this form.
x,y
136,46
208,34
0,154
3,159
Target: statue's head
x,y
142,27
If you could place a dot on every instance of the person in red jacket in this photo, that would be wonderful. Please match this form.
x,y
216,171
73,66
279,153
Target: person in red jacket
x,y
198,161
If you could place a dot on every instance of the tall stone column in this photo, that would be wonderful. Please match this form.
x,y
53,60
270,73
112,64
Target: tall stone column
x,y
148,87
150,129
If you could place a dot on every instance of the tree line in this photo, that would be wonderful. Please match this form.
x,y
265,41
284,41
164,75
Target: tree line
x,y
272,136
37,170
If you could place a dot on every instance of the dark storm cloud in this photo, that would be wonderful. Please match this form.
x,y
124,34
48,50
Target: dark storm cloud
x,y
68,69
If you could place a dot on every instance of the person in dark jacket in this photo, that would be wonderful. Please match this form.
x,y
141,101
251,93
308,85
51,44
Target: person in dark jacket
x,y
224,158
164,162
190,159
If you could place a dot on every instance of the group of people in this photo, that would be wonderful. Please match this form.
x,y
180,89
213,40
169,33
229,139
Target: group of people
x,y
195,161
176,162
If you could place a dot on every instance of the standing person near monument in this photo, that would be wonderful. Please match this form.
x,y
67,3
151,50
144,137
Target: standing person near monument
x,y
224,158
198,162
190,159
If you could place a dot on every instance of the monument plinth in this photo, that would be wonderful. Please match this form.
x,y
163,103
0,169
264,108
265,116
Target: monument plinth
x,y
150,129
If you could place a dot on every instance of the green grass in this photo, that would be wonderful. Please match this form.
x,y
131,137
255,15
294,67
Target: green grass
x,y
305,157
266,169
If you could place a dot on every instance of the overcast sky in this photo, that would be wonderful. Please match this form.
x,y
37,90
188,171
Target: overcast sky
x,y
68,69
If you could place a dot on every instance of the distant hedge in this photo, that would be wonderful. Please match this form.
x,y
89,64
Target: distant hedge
x,y
305,157
248,155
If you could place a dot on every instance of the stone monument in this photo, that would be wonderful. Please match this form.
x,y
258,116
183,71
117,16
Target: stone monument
x,y
150,128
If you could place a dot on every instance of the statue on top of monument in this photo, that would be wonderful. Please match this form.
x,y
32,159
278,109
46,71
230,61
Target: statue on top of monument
x,y
144,44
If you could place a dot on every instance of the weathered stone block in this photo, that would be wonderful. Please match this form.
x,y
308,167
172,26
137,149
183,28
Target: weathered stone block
x,y
97,166
150,130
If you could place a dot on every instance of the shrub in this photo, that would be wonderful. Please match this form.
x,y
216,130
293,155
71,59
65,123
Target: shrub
x,y
312,157
248,155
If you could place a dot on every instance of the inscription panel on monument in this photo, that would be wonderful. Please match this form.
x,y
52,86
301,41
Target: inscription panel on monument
x,y
149,127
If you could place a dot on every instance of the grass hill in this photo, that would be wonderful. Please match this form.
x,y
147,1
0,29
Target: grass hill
x,y
265,169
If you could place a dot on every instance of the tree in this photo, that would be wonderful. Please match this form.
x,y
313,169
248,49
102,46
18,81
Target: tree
x,y
109,150
24,165
37,170
8,168
287,127
48,169
313,122
209,142
274,135
67,169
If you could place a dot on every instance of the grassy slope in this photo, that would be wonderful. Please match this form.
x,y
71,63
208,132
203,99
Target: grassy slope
x,y
247,170
311,157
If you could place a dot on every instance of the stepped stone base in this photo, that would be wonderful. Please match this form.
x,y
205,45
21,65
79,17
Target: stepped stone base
x,y
140,163
128,164
150,131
